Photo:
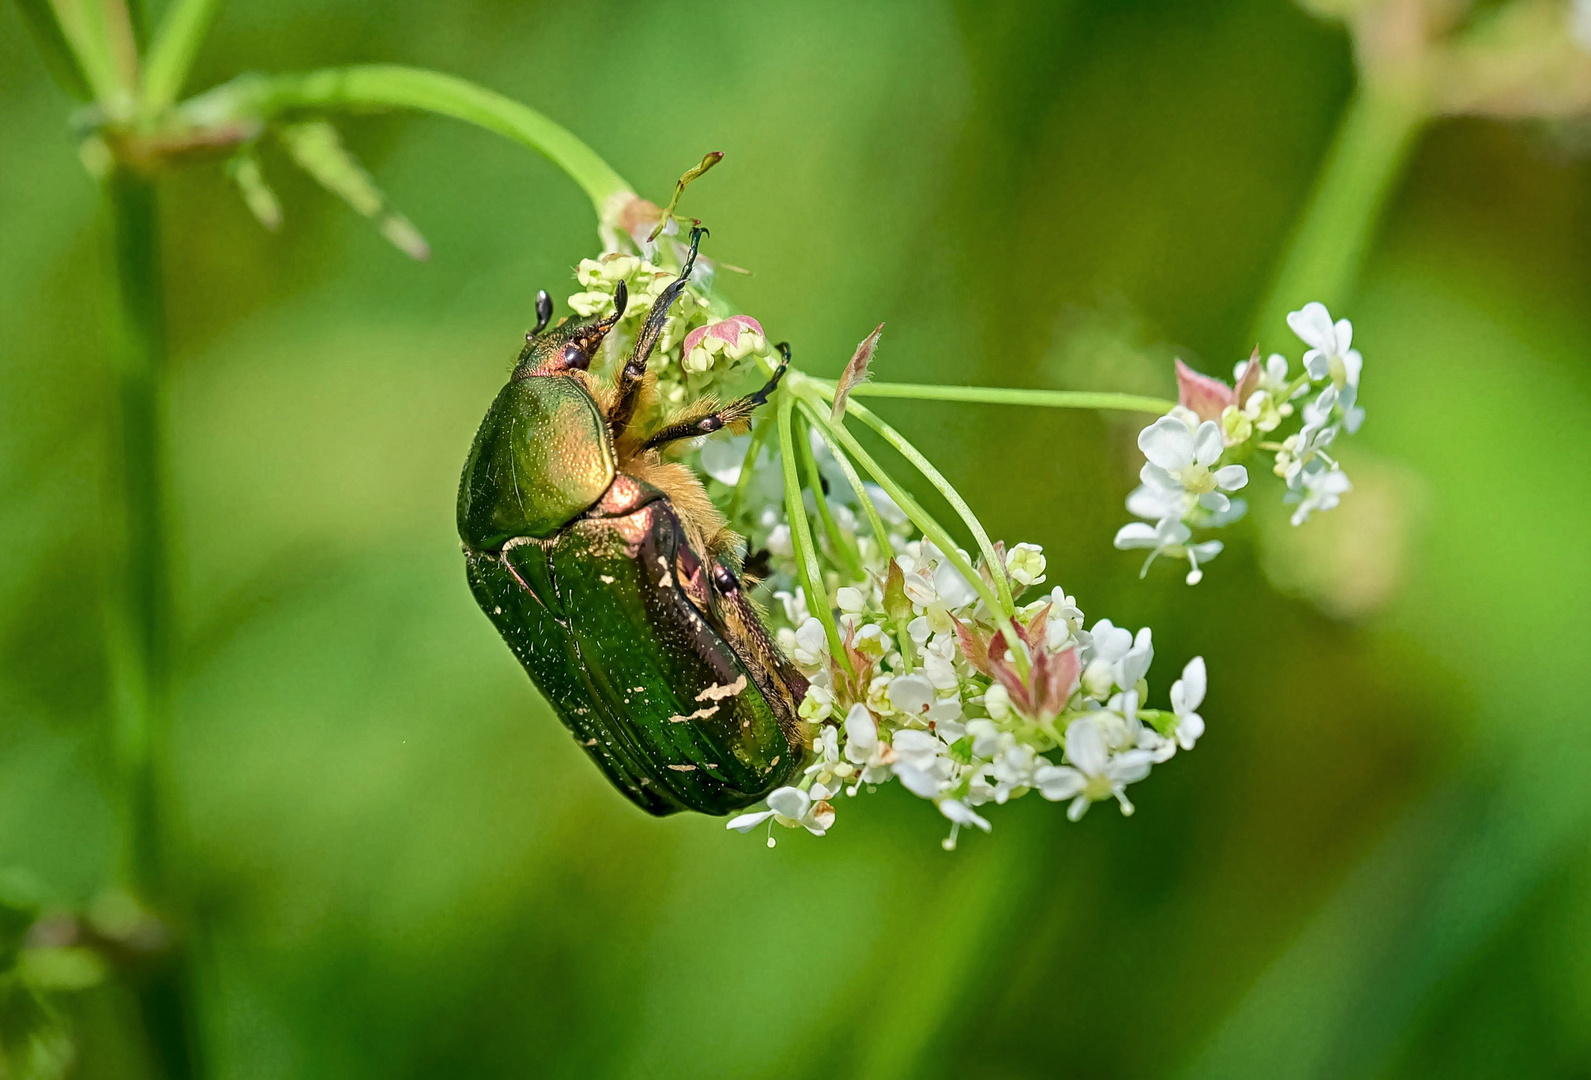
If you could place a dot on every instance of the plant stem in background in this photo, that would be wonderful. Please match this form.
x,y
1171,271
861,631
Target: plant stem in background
x,y
140,607
1367,157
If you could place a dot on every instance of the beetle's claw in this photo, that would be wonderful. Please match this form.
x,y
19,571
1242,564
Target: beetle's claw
x,y
543,312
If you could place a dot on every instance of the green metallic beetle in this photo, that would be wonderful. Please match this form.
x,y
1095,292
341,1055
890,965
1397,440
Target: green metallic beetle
x,y
613,578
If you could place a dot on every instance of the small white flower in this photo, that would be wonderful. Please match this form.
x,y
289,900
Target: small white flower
x,y
861,736
1169,537
1322,489
939,662
1093,774
1187,694
917,697
1180,460
790,807
811,643
1330,354
849,600
1025,563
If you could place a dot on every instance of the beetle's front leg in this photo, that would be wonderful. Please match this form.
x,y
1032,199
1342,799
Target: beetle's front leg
x,y
634,371
733,413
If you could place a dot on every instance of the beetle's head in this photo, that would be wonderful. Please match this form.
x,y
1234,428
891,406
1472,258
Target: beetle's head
x,y
569,346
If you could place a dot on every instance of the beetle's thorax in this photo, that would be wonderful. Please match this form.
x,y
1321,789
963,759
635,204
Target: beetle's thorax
x,y
542,457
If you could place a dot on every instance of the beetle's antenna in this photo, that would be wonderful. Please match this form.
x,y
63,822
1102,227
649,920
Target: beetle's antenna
x,y
543,312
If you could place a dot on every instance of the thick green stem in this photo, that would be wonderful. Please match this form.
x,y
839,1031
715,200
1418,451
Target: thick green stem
x,y
140,607
1368,154
386,86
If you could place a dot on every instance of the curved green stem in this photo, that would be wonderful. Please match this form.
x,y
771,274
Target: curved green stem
x,y
1002,395
259,99
182,31
801,534
931,529
903,446
875,523
844,553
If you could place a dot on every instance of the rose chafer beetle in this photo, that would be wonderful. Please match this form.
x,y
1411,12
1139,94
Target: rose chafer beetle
x,y
615,580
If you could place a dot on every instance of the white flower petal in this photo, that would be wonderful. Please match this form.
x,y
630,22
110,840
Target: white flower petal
x,y
789,802
746,822
1168,443
911,694
1231,477
916,781
1188,693
1207,443
1136,535
1312,324
1130,767
1059,782
1085,747
962,814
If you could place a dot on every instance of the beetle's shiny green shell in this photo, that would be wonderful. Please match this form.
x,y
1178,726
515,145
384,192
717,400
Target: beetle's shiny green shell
x,y
648,685
669,683
541,457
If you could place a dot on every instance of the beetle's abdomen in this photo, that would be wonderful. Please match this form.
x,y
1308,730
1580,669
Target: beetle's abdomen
x,y
648,686
541,458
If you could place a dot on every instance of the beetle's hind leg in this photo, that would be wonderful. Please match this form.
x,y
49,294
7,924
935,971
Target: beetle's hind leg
x,y
628,387
736,412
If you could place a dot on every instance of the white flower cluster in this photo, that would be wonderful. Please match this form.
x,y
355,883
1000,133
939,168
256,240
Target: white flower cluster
x,y
929,690
1195,453
698,347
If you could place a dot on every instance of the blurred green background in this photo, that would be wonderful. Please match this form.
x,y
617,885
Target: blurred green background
x,y
1378,861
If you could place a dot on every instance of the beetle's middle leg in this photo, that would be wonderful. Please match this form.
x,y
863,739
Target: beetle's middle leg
x,y
729,415
628,386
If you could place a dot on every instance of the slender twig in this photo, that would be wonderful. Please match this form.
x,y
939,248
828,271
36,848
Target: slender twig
x,y
171,54
1003,395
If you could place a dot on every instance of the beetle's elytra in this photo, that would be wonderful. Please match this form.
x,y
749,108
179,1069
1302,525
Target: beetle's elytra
x,y
613,578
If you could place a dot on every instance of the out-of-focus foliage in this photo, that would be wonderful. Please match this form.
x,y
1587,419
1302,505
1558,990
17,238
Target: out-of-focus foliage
x,y
1376,864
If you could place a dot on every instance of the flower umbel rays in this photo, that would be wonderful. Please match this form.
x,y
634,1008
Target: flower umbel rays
x,y
943,670
1194,452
